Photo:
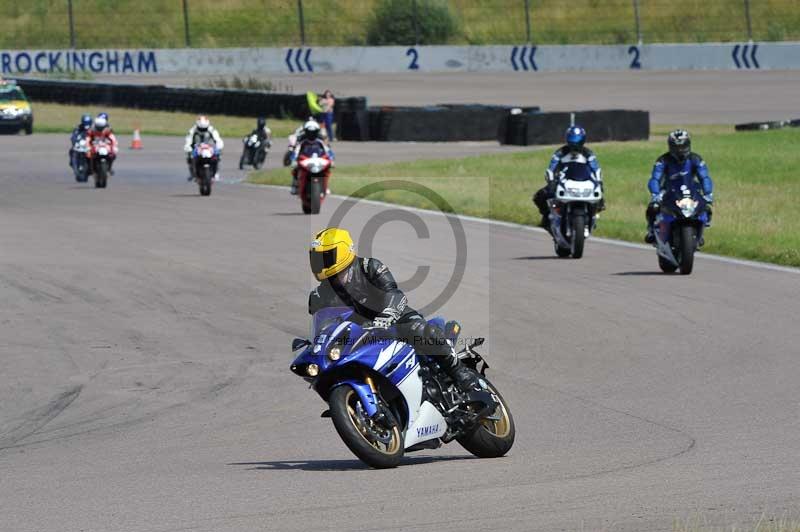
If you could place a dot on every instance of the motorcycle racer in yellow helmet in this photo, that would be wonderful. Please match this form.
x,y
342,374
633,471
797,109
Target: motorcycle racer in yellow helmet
x,y
367,286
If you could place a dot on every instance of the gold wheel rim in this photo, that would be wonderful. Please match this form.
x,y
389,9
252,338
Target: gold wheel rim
x,y
502,426
394,444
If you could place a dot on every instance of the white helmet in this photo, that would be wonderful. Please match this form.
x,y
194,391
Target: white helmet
x,y
202,123
311,129
100,123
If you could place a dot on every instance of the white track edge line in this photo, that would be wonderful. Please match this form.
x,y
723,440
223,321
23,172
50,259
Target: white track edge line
x,y
512,225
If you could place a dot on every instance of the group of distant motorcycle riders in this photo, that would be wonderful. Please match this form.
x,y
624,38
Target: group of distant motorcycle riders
x,y
365,284
202,131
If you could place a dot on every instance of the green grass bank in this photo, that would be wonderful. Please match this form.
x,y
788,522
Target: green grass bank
x,y
755,175
250,23
58,118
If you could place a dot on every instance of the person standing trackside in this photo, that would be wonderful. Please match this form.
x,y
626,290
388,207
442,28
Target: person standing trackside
x,y
327,102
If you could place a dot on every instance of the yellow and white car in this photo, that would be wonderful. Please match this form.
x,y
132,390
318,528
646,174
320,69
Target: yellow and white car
x,y
15,109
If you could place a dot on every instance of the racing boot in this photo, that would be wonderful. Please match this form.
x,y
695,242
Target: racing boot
x,y
650,237
293,189
466,379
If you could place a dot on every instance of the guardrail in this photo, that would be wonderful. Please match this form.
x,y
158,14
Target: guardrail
x,y
159,97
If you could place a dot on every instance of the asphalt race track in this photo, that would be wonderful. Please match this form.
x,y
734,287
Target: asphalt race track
x,y
144,377
672,97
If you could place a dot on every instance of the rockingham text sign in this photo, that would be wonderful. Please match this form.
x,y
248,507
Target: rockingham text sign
x,y
525,59
94,61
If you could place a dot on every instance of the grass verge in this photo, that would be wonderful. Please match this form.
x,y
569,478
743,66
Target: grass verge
x,y
755,177
58,118
232,23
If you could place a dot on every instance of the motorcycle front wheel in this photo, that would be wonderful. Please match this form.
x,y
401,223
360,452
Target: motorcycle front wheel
x,y
315,196
687,246
578,227
205,182
377,446
260,157
101,178
495,434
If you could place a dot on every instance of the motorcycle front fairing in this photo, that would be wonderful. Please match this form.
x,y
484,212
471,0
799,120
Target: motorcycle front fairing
x,y
578,191
391,365
679,207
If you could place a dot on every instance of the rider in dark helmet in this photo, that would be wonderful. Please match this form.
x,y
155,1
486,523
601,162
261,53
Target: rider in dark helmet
x,y
263,132
367,286
671,169
80,130
575,138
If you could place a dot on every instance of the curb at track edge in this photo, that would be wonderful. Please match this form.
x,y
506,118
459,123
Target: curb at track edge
x,y
512,225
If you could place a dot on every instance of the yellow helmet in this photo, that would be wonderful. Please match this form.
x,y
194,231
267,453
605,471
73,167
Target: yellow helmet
x,y
331,252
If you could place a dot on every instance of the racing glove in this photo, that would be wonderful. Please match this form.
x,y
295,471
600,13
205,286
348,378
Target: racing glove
x,y
709,198
656,198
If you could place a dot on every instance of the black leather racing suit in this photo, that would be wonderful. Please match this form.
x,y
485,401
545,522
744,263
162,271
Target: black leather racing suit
x,y
368,287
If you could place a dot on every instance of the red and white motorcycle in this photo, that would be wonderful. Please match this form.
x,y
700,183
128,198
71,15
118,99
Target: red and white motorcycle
x,y
313,173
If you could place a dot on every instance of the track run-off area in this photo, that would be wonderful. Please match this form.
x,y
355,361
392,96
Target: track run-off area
x,y
144,353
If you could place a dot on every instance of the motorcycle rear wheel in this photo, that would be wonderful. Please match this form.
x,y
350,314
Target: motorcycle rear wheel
x,y
666,266
492,438
343,403
561,252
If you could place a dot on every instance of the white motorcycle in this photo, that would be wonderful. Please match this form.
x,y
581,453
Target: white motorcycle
x,y
573,209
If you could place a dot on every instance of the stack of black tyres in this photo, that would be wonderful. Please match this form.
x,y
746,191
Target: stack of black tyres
x,y
437,123
526,128
763,126
159,97
352,118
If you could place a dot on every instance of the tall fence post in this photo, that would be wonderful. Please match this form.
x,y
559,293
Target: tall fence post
x,y
528,20
71,25
302,22
638,22
749,23
414,21
186,23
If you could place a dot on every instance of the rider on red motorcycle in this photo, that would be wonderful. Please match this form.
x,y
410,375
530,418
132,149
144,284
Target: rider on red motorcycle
x,y
311,135
102,130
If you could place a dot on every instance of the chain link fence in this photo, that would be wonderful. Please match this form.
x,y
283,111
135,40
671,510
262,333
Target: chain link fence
x,y
254,23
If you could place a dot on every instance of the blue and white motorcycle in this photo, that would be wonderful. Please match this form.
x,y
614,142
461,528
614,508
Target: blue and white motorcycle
x,y
573,207
680,223
385,399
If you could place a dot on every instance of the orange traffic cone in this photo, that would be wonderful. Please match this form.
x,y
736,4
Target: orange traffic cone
x,y
136,143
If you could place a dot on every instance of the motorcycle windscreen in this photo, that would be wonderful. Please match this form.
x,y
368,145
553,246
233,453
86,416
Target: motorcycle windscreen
x,y
309,150
578,172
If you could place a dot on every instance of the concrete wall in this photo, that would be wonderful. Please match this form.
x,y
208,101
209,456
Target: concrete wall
x,y
395,59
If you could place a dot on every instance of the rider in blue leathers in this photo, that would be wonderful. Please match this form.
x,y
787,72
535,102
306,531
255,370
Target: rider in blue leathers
x,y
81,129
575,137
677,167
